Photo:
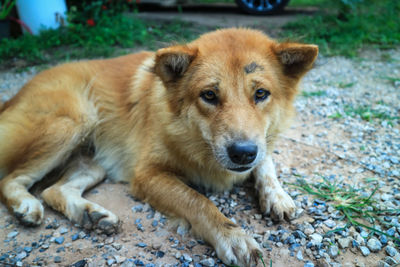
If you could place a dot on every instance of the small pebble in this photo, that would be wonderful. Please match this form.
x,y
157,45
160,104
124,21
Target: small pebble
x,y
82,234
374,245
390,260
119,259
382,264
208,262
299,255
309,230
365,251
156,245
21,256
160,254
63,230
80,263
12,234
391,231
128,263
137,208
59,240
333,251
316,238
117,246
187,258
110,262
344,242
330,223
138,263
75,237
141,245
57,259
391,251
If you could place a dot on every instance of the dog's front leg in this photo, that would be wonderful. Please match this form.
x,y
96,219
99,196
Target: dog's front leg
x,y
273,199
168,194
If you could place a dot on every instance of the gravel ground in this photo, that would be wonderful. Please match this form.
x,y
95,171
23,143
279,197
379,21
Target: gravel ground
x,y
331,137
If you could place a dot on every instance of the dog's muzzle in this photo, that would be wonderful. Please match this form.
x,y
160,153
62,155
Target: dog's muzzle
x,y
242,153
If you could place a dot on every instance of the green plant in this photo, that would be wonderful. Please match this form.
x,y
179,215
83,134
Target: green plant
x,y
393,80
345,29
262,261
356,208
5,8
315,93
91,12
336,115
368,113
301,3
345,85
112,35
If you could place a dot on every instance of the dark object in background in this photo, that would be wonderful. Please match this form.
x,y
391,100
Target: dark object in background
x,y
4,28
255,7
262,7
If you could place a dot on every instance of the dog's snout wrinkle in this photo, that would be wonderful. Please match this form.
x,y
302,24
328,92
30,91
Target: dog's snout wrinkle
x,y
242,152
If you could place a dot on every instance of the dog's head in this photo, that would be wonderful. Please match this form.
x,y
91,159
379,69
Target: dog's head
x,y
234,89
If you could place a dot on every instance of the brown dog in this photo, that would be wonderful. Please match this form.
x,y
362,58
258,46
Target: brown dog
x,y
205,113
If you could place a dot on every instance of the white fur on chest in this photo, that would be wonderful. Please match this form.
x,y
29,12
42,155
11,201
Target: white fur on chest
x,y
116,161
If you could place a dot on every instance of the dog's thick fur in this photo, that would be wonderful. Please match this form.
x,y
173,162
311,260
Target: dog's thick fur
x,y
161,121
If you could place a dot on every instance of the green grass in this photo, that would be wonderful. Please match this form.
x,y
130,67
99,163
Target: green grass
x,y
304,3
356,208
215,1
336,115
314,93
108,38
368,114
345,32
393,80
345,85
262,261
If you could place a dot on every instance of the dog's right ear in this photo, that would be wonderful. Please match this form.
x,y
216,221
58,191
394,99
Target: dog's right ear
x,y
172,62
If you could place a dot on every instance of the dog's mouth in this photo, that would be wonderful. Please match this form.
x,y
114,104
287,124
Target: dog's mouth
x,y
241,169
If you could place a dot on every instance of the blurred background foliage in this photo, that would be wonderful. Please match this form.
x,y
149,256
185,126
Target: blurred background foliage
x,y
100,29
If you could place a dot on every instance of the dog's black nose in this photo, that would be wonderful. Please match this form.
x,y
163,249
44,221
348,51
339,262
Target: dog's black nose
x,y
242,152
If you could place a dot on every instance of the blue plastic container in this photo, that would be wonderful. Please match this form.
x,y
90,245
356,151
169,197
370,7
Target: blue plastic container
x,y
42,14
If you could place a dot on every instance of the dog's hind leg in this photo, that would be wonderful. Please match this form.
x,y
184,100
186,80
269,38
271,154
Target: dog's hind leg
x,y
14,194
66,197
31,150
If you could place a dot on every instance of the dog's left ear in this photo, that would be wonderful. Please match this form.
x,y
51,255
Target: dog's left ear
x,y
295,58
172,62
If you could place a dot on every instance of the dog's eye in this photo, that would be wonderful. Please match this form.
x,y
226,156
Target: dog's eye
x,y
261,94
210,97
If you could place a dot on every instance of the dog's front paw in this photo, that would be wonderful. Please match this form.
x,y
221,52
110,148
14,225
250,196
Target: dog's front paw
x,y
99,219
235,247
278,204
29,211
